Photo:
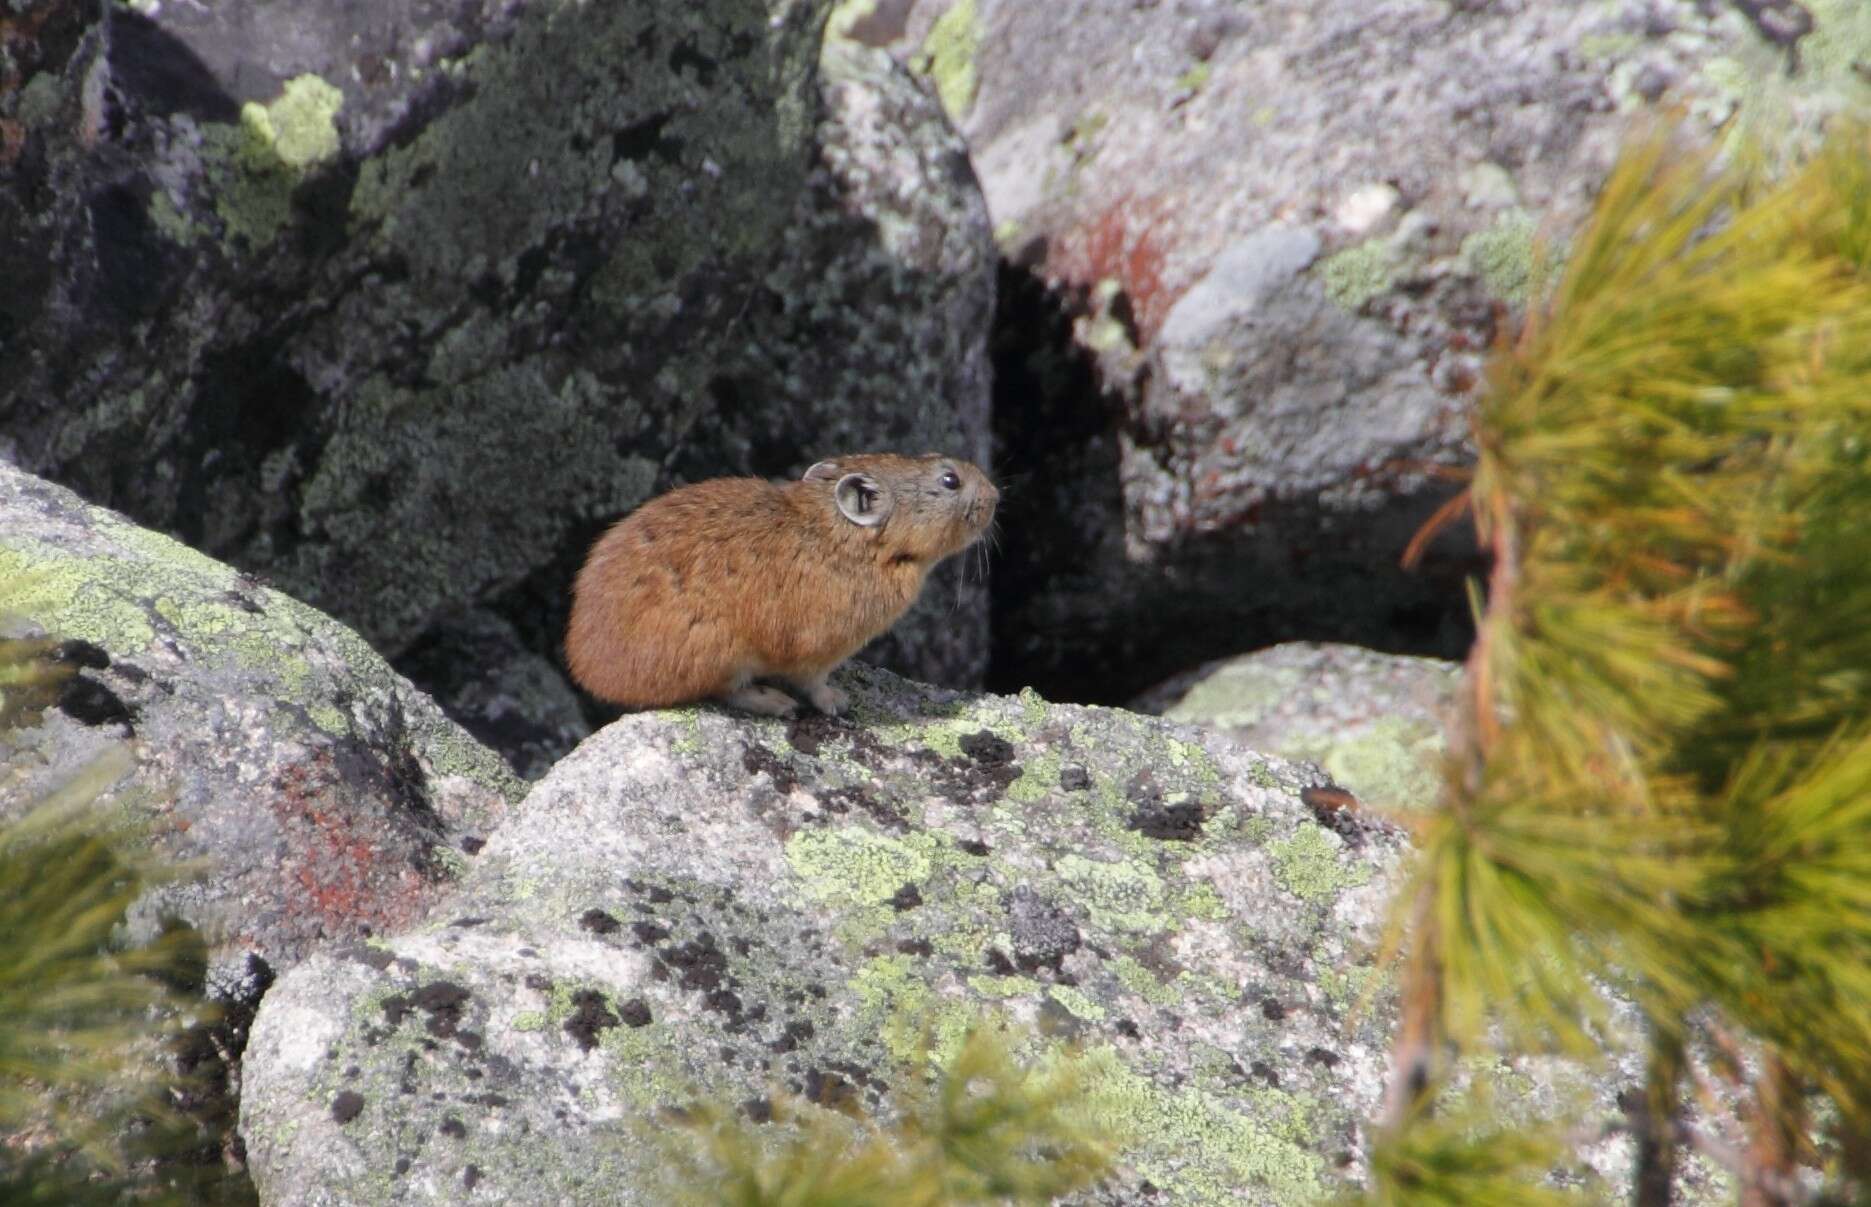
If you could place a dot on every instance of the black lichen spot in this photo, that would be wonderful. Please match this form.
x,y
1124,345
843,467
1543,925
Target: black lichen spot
x,y
538,981
681,56
795,1033
89,702
920,948
1181,822
452,1126
811,731
471,844
469,1040
400,1168
830,1089
655,894
906,898
1128,1029
1265,1073
598,922
347,1105
634,1013
1322,1058
1271,1009
442,1001
699,964
758,759
1074,779
758,1110
470,1176
972,846
643,138
841,800
375,957
82,653
998,963
464,923
987,749
649,933
726,1002
589,1017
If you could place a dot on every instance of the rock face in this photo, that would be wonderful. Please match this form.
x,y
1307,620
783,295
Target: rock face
x,y
1283,235
1376,723
322,795
398,305
696,905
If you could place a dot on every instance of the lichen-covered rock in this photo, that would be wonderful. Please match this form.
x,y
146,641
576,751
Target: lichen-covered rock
x,y
1288,232
320,796
698,905
1376,723
399,304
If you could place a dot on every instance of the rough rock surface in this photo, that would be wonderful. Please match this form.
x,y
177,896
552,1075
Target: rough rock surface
x,y
397,304
693,904
1285,232
1376,723
325,796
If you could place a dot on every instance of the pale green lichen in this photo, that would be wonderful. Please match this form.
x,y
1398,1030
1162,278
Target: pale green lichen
x,y
1119,896
853,866
529,1020
1194,79
1201,900
170,220
254,166
70,596
1076,1003
1394,763
1195,1145
299,127
948,57
1307,864
1039,778
1505,256
1359,273
1239,694
1146,984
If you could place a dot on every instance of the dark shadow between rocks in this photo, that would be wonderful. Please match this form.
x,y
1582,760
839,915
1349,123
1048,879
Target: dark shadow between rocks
x,y
1077,617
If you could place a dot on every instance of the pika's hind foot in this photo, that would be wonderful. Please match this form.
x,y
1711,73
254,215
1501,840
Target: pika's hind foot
x,y
766,701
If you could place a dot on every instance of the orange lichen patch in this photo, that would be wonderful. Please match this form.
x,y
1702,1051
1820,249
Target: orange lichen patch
x,y
348,865
12,141
1125,243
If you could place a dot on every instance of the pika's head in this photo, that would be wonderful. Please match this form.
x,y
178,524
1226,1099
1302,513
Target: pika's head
x,y
918,509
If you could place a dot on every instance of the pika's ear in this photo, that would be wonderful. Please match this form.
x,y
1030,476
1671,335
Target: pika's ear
x,y
863,500
824,471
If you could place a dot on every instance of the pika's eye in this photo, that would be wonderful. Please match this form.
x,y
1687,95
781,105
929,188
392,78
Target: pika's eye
x,y
951,480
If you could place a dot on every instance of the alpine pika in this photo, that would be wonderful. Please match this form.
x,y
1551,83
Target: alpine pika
x,y
702,590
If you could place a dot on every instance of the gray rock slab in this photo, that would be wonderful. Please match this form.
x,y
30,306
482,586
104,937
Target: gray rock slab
x,y
1376,723
699,905
318,793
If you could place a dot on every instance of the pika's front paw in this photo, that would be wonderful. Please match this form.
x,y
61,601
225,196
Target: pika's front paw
x,y
766,701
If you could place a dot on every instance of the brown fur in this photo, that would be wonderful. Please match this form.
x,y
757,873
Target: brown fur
x,y
703,589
